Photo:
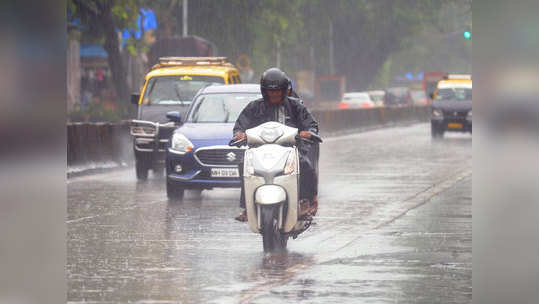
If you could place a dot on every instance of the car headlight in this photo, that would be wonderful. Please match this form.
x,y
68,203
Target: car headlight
x,y
436,113
180,143
290,165
469,116
249,168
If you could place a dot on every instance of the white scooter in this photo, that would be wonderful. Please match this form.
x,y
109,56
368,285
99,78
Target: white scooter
x,y
271,183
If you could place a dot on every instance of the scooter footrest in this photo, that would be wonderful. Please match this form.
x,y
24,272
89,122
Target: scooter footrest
x,y
308,222
306,217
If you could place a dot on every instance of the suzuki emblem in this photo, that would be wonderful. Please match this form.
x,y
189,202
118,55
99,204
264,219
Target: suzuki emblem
x,y
231,156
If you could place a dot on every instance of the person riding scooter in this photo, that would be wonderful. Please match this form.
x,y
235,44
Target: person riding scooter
x,y
277,106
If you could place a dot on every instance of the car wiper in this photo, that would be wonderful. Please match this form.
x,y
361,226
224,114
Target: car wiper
x,y
225,109
180,99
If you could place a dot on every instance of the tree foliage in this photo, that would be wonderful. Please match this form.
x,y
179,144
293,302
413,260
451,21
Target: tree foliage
x,y
100,21
366,32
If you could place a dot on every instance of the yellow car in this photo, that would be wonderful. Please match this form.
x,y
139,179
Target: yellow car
x,y
171,85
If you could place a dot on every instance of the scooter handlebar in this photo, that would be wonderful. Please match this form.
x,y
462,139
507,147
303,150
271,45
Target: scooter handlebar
x,y
315,138
237,143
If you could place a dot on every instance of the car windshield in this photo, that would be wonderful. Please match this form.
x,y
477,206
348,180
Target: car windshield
x,y
220,108
454,94
377,97
174,90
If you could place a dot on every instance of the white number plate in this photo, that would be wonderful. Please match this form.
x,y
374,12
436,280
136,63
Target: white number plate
x,y
224,172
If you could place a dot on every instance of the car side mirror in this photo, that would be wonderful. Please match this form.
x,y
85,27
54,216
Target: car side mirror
x,y
135,98
174,116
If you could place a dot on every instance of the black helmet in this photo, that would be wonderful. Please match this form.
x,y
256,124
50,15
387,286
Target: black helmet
x,y
274,79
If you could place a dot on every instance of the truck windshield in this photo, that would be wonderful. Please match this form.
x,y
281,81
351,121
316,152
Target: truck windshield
x,y
174,90
220,108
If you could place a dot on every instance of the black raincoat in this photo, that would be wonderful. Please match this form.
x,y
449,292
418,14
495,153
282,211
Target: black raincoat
x,y
298,116
259,111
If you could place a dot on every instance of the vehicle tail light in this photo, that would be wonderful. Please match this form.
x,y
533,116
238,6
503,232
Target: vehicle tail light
x,y
365,105
343,105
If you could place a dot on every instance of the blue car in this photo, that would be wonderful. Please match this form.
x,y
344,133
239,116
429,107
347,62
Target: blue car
x,y
198,156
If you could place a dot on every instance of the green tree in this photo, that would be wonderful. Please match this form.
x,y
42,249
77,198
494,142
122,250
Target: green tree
x,y
366,32
101,20
438,47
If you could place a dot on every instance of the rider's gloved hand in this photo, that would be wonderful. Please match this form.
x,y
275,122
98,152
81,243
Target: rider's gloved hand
x,y
239,136
305,134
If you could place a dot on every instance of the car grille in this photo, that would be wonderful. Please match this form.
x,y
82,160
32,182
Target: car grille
x,y
220,157
455,114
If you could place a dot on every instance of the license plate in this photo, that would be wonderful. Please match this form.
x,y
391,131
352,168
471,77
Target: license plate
x,y
224,172
454,125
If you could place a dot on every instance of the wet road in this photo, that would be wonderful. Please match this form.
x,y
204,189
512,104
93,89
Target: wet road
x,y
394,226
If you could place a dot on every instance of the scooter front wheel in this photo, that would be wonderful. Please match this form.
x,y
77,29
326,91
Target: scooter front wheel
x,y
272,238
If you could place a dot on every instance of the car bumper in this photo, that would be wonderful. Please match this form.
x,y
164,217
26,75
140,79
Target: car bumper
x,y
147,150
152,156
194,182
151,144
195,175
452,125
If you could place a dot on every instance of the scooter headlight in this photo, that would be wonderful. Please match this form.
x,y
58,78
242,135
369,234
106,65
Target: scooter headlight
x,y
290,165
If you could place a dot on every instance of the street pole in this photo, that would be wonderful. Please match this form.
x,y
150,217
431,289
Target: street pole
x,y
184,27
278,54
311,56
331,63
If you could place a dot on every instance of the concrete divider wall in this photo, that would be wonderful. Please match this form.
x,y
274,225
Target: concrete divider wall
x,y
94,145
338,121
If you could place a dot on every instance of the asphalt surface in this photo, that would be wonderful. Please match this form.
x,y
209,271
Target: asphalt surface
x,y
394,226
